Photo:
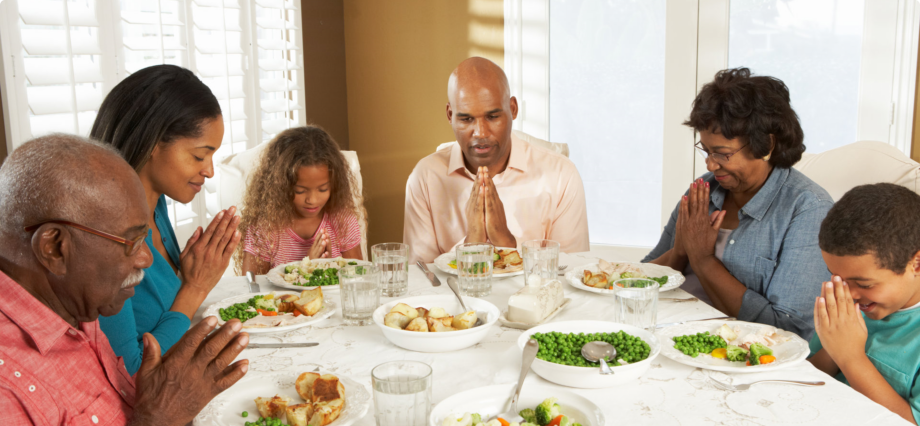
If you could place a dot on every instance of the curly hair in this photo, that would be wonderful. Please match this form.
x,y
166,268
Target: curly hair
x,y
739,105
267,206
880,219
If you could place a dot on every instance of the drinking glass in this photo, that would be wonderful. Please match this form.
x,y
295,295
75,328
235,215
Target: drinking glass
x,y
402,393
474,268
360,290
636,302
392,259
541,258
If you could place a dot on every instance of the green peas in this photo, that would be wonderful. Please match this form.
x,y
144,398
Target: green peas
x,y
695,344
245,414
565,349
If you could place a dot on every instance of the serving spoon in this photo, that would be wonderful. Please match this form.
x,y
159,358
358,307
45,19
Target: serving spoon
x,y
452,283
599,351
530,353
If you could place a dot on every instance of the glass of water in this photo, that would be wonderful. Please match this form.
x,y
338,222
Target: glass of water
x,y
392,259
402,393
541,258
636,302
360,290
474,268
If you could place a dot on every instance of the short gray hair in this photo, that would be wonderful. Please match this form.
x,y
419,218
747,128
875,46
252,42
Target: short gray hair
x,y
50,177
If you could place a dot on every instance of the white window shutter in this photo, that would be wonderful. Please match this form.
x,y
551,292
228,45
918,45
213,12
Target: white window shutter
x,y
67,55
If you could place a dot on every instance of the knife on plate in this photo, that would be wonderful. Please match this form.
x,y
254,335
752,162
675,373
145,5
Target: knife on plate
x,y
668,324
431,277
280,345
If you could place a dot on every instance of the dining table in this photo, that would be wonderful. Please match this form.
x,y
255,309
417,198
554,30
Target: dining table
x,y
669,393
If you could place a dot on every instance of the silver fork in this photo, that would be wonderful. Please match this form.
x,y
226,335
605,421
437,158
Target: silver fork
x,y
746,386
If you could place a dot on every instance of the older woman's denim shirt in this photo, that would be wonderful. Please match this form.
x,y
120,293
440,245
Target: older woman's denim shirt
x,y
774,251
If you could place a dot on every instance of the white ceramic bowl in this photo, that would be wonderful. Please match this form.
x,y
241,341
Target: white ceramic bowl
x,y
439,342
491,400
585,377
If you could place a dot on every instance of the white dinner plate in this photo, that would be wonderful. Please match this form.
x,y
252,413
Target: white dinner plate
x,y
443,263
302,321
227,408
788,353
675,279
276,274
492,400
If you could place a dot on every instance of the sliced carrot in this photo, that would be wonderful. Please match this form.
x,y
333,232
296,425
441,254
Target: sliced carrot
x,y
556,421
766,359
503,421
748,362
267,313
297,313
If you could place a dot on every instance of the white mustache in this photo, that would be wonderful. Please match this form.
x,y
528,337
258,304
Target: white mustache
x,y
133,279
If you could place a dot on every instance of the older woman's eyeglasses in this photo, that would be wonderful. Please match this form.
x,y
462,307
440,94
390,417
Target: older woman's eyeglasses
x,y
718,157
132,246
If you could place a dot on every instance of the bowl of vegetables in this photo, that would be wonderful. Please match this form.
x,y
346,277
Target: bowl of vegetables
x,y
539,405
559,359
449,328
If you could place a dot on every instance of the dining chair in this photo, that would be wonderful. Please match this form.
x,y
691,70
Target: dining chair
x,y
866,162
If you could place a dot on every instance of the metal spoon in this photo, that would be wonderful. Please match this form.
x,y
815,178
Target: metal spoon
x,y
599,351
452,283
530,352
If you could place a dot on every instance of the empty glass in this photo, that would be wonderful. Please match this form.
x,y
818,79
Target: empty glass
x,y
392,259
541,258
402,393
474,268
636,302
360,291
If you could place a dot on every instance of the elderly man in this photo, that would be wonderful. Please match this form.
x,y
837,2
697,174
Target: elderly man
x,y
71,249
491,186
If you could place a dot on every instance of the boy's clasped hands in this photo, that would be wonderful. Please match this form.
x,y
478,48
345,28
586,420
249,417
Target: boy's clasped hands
x,y
839,323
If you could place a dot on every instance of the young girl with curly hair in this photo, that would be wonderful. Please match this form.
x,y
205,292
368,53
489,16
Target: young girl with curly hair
x,y
299,202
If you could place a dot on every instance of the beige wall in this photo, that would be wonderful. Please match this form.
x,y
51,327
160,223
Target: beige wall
x,y
398,55
324,67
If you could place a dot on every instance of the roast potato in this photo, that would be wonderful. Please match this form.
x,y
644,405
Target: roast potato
x,y
396,320
437,313
272,407
310,302
299,414
406,310
418,324
464,321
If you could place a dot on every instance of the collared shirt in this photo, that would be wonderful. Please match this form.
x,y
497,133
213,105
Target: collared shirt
x,y
54,374
774,250
541,192
148,311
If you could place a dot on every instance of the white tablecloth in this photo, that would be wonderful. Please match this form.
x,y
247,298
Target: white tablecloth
x,y
669,393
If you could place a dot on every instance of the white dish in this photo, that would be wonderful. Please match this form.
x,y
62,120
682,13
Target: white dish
x,y
443,263
276,274
227,408
787,353
675,278
444,341
302,321
524,326
586,377
491,400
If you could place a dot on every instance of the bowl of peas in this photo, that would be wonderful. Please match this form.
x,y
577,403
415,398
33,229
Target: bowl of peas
x,y
559,359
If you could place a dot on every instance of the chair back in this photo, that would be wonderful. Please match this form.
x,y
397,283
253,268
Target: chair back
x,y
866,162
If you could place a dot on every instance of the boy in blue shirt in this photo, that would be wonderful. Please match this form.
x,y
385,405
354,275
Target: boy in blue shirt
x,y
867,320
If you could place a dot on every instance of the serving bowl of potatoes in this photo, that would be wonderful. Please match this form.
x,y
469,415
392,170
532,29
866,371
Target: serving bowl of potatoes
x,y
435,323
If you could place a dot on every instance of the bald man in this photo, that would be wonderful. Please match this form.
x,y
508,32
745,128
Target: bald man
x,y
491,186
74,218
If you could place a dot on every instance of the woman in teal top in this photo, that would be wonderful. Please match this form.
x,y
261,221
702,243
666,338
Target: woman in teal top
x,y
167,124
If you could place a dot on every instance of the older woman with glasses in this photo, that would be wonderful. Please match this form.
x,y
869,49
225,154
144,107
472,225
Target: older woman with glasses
x,y
746,233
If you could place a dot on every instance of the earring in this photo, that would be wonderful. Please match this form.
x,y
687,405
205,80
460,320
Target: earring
x,y
766,158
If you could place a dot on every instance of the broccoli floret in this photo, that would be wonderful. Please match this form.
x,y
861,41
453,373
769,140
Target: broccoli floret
x,y
547,411
264,304
661,281
288,269
476,418
735,353
528,415
757,350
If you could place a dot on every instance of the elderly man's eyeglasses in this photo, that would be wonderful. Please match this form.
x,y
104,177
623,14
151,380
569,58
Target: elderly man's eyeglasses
x,y
132,246
720,158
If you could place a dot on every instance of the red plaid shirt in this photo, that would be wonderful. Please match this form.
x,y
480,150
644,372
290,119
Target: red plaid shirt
x,y
53,374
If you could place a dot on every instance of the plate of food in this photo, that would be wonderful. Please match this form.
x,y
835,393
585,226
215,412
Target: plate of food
x,y
506,262
732,346
599,277
311,398
310,273
274,312
539,405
